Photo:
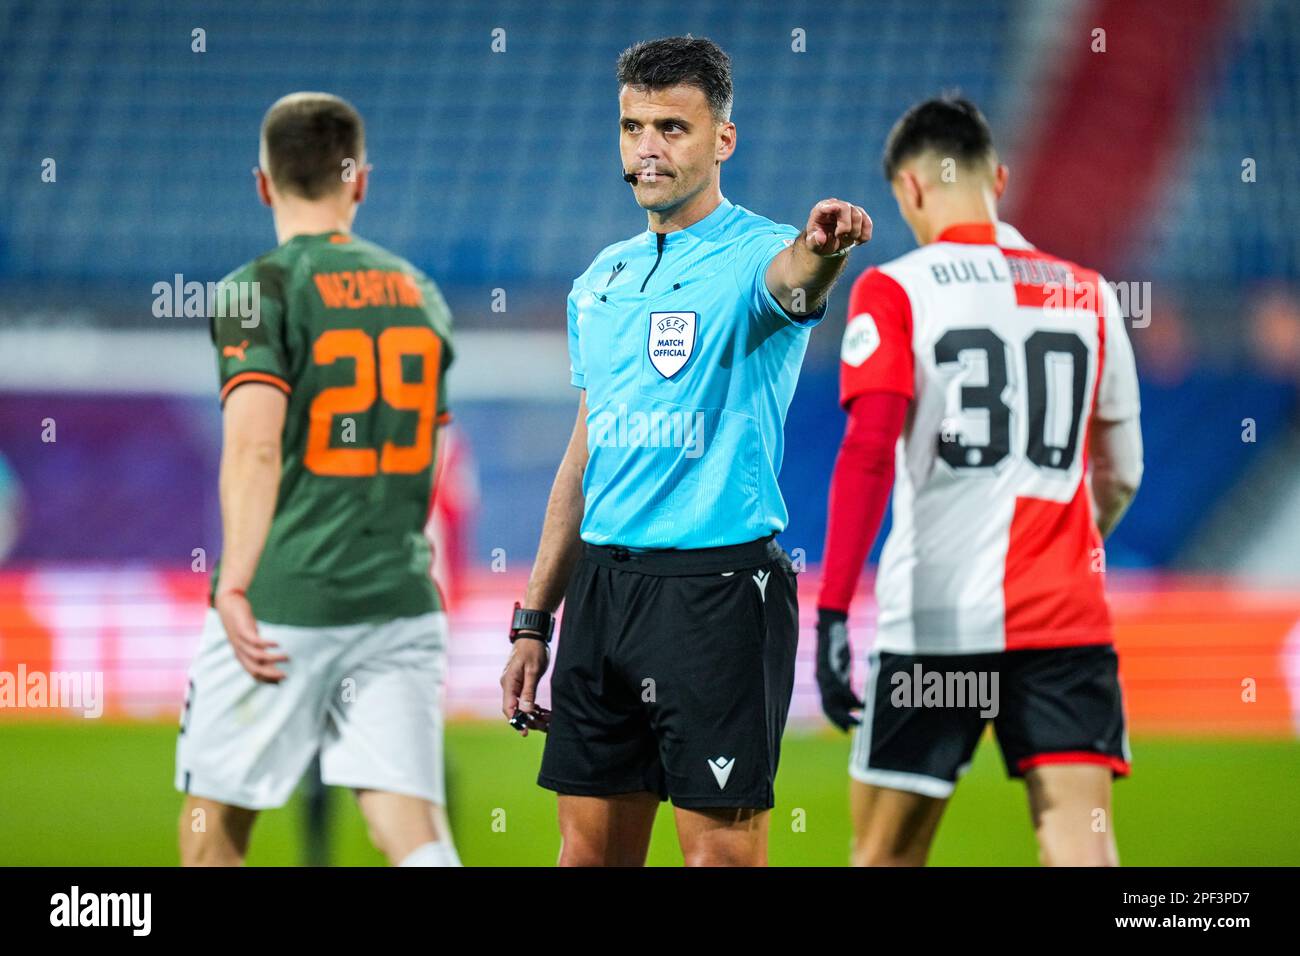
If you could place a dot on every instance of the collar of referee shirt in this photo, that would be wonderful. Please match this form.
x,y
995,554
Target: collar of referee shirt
x,y
703,229
975,233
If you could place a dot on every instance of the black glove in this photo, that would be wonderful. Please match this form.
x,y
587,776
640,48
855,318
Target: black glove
x,y
834,660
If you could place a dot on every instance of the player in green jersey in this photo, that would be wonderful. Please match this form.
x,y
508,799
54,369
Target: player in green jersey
x,y
326,633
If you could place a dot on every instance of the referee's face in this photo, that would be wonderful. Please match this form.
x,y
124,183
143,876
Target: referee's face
x,y
671,142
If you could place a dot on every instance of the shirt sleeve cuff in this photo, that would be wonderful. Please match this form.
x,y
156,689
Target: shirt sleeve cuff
x,y
244,378
806,321
801,321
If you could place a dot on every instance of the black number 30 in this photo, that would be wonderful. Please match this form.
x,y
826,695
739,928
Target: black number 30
x,y
988,396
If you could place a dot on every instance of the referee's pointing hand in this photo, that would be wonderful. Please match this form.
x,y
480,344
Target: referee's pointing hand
x,y
835,226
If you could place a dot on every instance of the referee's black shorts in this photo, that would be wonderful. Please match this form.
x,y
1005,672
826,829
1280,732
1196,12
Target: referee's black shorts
x,y
673,675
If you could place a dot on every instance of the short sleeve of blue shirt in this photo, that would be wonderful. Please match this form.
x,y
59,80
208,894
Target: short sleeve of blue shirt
x,y
756,252
577,371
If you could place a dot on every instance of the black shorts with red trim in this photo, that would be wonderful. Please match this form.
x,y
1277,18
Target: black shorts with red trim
x,y
923,714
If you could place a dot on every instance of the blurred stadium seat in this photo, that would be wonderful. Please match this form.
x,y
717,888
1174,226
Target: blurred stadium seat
x,y
115,88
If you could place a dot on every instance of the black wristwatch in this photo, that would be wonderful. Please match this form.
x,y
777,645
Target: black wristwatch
x,y
537,625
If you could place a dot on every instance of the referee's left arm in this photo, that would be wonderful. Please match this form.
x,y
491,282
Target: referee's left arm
x,y
802,274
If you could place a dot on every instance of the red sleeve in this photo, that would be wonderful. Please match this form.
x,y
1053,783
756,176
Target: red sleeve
x,y
860,485
876,355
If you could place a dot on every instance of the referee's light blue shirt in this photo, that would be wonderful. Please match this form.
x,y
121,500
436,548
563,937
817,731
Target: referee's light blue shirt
x,y
689,364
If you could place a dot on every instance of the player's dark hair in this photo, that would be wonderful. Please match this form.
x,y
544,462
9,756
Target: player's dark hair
x,y
693,61
947,125
308,136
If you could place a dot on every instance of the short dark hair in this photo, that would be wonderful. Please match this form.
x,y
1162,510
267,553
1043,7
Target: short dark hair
x,y
948,125
307,138
693,61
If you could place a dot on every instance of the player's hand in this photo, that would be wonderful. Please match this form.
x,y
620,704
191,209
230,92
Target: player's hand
x,y
257,656
836,226
834,665
527,664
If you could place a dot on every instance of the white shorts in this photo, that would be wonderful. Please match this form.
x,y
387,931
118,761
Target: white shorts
x,y
368,697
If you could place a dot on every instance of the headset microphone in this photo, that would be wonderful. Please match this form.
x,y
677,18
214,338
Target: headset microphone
x,y
654,173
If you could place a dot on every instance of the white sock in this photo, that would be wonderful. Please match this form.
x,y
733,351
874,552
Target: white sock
x,y
434,853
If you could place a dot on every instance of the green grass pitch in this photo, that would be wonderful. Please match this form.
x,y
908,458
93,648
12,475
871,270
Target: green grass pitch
x,y
100,794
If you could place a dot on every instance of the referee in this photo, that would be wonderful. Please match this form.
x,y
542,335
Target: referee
x,y
674,675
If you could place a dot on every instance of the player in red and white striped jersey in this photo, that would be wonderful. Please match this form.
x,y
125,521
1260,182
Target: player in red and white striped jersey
x,y
1008,376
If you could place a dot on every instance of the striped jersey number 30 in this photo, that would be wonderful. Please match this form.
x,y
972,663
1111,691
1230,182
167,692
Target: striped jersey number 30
x,y
420,396
1052,440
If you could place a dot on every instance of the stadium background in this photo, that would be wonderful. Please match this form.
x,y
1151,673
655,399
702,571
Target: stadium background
x,y
1167,158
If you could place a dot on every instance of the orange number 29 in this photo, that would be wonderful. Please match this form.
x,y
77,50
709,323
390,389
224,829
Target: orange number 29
x,y
420,396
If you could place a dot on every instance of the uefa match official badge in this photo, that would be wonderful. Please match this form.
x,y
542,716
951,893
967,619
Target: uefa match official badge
x,y
672,340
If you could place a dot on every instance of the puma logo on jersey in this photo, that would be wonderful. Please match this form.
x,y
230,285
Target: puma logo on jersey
x,y
760,578
613,273
721,767
235,351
